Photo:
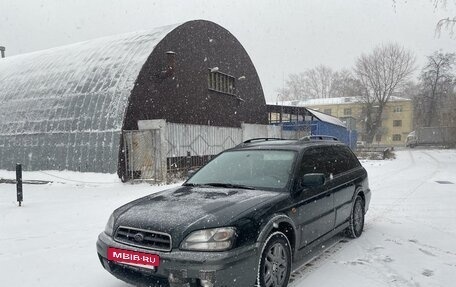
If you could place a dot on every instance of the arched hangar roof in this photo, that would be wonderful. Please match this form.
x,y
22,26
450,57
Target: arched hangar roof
x,y
55,102
64,108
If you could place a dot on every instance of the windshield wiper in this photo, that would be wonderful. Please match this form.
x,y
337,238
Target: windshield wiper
x,y
191,184
229,185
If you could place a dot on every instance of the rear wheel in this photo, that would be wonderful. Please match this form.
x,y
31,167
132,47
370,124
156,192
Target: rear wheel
x,y
275,262
355,229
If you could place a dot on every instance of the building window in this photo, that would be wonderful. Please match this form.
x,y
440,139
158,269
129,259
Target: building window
x,y
274,118
220,82
327,111
378,138
397,137
397,109
347,112
397,123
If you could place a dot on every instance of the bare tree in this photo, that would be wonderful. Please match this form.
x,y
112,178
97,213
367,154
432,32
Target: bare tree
x,y
448,23
320,82
295,88
436,82
346,85
410,89
381,73
312,83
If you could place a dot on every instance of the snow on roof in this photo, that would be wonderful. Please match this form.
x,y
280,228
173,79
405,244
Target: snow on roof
x,y
53,85
327,118
330,101
72,94
319,115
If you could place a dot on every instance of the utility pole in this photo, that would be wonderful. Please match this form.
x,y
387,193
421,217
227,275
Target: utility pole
x,y
2,51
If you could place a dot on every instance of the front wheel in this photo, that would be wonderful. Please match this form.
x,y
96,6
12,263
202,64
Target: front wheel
x,y
356,226
275,262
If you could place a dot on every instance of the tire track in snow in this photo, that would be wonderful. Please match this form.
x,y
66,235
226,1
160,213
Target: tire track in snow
x,y
433,158
388,173
374,262
394,172
308,265
401,199
432,226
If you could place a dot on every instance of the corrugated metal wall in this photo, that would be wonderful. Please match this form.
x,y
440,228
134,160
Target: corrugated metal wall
x,y
348,137
184,146
200,140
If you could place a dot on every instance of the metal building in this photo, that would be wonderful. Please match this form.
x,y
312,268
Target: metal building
x,y
66,108
299,121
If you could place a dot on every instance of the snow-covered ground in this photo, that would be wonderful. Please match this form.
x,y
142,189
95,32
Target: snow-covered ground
x,y
410,233
409,240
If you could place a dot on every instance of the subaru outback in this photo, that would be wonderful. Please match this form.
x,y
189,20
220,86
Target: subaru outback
x,y
242,219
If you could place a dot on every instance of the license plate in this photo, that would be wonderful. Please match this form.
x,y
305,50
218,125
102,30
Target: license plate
x,y
134,258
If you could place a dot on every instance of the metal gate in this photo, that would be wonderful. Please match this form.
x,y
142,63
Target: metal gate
x,y
191,146
143,155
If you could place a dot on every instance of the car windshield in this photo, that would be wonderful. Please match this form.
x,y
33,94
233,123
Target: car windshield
x,y
265,169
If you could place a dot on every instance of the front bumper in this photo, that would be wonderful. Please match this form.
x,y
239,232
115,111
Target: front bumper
x,y
238,267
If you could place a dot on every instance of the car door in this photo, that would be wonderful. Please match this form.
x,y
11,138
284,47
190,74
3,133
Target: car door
x,y
343,182
315,205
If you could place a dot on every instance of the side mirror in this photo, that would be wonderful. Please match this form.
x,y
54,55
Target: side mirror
x,y
313,179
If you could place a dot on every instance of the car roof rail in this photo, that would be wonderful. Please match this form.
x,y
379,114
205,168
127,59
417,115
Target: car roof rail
x,y
262,139
258,140
319,138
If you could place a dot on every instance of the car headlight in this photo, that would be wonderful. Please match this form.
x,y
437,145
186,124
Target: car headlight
x,y
217,239
109,228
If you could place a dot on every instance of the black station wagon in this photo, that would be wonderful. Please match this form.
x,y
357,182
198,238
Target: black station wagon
x,y
242,218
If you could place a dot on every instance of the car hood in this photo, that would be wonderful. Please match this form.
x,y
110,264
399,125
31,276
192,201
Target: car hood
x,y
182,210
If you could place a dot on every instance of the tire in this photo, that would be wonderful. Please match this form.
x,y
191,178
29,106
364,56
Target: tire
x,y
275,262
355,229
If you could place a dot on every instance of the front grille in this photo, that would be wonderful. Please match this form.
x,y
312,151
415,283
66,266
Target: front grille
x,y
144,238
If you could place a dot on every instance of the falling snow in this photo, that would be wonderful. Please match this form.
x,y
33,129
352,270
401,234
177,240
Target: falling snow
x,y
408,239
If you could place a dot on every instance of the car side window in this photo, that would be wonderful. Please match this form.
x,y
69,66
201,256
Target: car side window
x,y
353,160
344,159
329,160
339,160
314,160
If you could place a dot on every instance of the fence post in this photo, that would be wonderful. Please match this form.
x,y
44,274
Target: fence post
x,y
189,157
19,183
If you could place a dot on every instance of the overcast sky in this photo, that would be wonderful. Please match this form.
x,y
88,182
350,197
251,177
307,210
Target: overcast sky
x,y
281,37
